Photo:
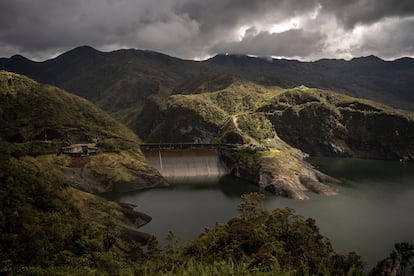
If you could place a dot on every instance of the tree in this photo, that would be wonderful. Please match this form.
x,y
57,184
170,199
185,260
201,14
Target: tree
x,y
400,258
406,252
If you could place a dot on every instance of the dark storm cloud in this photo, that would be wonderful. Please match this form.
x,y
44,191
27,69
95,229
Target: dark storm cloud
x,y
389,40
290,43
42,25
216,14
191,28
353,12
180,27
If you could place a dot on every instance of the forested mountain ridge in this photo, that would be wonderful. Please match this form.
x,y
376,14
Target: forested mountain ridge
x,y
121,81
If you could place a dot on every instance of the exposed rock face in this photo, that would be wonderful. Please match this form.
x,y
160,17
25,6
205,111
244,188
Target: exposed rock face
x,y
110,172
130,222
278,172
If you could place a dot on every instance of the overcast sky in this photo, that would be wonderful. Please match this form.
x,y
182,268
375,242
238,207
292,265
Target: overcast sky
x,y
197,29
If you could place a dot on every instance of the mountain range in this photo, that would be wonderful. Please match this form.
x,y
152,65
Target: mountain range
x,y
120,82
233,99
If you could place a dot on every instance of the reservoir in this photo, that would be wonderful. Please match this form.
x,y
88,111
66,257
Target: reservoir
x,y
374,210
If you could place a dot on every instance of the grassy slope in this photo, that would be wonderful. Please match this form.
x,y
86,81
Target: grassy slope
x,y
210,110
30,110
119,82
45,217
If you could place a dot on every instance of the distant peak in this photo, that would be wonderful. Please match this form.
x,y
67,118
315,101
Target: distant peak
x,y
18,57
404,59
370,58
85,48
81,51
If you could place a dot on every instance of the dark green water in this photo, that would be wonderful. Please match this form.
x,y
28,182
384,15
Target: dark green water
x,y
374,210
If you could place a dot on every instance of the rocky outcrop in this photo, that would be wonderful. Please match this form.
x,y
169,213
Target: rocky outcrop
x,y
129,223
280,173
390,266
111,172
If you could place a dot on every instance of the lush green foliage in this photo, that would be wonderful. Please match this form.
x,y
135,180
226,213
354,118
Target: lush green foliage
x,y
264,241
257,126
49,228
37,222
32,111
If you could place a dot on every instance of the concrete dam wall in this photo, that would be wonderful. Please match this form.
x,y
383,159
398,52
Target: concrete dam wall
x,y
177,166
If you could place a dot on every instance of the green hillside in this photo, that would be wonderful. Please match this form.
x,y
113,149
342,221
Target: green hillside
x,y
119,82
47,215
38,119
31,110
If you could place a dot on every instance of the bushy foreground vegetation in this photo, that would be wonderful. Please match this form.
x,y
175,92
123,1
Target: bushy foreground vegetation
x,y
255,242
39,224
